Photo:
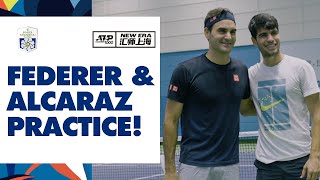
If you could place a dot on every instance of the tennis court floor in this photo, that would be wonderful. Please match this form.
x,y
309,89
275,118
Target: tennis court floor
x,y
155,172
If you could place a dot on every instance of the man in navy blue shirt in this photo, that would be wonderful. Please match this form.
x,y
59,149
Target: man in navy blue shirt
x,y
206,92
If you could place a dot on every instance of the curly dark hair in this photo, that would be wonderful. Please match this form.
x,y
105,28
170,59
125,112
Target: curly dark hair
x,y
262,20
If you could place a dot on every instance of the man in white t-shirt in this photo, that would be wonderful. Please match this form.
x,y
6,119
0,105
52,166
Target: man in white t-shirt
x,y
285,94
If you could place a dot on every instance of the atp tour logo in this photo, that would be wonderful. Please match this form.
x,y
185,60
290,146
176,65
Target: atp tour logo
x,y
103,39
28,38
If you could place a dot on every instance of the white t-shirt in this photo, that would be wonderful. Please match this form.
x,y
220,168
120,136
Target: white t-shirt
x,y
278,94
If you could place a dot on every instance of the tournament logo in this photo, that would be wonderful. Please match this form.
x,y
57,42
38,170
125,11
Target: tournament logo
x,y
28,38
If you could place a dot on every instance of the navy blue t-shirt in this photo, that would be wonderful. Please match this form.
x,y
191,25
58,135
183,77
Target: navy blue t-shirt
x,y
211,96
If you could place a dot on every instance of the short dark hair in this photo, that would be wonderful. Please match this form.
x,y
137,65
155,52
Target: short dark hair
x,y
215,12
262,20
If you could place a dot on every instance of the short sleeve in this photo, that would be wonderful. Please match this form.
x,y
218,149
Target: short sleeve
x,y
308,80
178,87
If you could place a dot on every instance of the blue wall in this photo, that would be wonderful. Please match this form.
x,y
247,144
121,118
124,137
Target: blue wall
x,y
249,55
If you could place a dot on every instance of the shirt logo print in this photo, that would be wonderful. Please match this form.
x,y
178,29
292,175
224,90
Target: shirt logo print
x,y
272,99
266,107
236,78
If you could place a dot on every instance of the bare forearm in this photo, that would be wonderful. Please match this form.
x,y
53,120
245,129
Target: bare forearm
x,y
170,134
315,145
313,103
169,144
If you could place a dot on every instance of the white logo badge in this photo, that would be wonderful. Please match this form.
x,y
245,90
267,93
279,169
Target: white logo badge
x,y
28,38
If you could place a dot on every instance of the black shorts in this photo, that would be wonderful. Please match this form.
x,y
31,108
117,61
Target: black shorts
x,y
281,170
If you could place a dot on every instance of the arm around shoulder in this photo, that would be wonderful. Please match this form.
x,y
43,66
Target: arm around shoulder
x,y
247,107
